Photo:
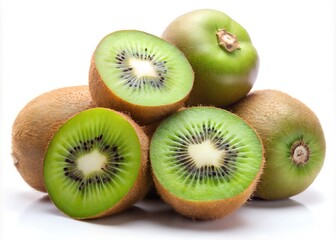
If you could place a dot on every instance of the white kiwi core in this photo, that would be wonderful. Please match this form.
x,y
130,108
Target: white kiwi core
x,y
91,162
142,68
205,154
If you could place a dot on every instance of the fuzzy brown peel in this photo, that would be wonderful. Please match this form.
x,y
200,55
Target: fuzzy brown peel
x,y
36,124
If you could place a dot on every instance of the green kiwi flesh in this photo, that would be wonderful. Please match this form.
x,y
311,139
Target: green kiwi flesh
x,y
143,68
293,140
205,154
136,72
92,162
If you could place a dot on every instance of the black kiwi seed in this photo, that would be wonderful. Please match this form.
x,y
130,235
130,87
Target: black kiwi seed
x,y
107,171
129,77
179,149
69,161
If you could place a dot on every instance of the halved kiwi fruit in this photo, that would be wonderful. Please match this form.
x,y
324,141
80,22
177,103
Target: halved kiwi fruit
x,y
139,73
293,139
96,164
205,161
36,124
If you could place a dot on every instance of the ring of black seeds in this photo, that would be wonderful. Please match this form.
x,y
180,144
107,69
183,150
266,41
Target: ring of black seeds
x,y
129,77
190,171
107,172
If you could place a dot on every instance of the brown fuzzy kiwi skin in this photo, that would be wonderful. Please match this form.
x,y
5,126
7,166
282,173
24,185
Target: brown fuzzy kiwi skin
x,y
150,128
103,96
35,125
149,131
265,110
142,183
207,210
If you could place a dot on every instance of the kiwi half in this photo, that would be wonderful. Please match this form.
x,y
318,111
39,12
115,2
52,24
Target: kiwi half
x,y
205,161
293,140
96,164
36,124
139,73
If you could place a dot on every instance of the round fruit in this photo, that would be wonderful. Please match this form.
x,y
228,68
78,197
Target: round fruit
x,y
37,122
96,164
139,73
205,161
221,53
293,140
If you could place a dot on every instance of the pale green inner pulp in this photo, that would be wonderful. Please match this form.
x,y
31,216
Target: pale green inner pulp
x,y
163,160
150,58
96,198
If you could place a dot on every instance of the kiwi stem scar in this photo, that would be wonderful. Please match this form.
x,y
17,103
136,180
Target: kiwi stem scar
x,y
227,40
300,153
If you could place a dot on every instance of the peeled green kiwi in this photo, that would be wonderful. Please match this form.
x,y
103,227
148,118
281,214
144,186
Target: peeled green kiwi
x,y
96,164
293,140
205,162
37,122
139,73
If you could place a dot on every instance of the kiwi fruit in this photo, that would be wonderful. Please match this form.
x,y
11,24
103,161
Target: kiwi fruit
x,y
96,164
205,162
139,73
221,53
293,140
37,122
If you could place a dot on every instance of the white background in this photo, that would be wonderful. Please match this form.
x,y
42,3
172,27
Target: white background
x,y
48,44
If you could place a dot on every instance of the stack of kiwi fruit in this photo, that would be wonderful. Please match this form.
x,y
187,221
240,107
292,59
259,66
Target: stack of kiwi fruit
x,y
171,116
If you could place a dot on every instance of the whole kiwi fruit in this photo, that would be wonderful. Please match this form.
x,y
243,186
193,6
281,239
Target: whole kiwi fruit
x,y
293,140
36,124
221,53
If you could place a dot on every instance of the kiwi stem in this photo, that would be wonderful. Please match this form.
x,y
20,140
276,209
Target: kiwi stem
x,y
300,153
227,40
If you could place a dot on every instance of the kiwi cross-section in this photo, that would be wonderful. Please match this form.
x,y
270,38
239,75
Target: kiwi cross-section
x,y
139,73
96,164
205,161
